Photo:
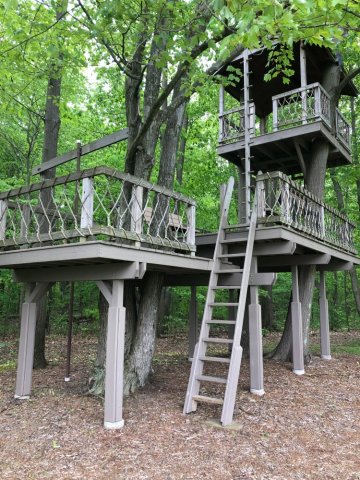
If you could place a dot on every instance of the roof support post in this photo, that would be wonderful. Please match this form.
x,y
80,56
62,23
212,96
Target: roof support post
x,y
255,340
193,322
114,376
303,80
324,320
297,327
33,293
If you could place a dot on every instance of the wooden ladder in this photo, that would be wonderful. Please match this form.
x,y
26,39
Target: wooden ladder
x,y
222,264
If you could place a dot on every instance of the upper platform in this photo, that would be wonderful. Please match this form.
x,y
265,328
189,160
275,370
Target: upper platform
x,y
283,140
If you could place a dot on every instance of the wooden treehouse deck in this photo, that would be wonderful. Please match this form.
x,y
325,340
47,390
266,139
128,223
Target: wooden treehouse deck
x,y
284,138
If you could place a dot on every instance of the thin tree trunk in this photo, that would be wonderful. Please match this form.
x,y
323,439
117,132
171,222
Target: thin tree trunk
x,y
51,136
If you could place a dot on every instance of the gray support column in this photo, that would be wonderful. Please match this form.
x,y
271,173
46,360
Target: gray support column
x,y
255,340
33,293
26,349
193,322
297,328
115,358
324,320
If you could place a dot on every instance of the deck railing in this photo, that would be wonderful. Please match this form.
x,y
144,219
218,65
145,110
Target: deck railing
x,y
297,107
99,203
282,200
301,106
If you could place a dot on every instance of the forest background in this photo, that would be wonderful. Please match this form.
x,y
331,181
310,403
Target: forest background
x,y
102,55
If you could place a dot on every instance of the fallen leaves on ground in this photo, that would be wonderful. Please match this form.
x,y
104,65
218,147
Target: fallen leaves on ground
x,y
303,428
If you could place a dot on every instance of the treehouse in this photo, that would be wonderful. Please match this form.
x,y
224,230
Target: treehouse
x,y
107,226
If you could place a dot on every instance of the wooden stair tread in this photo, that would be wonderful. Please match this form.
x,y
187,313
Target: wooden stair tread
x,y
237,225
218,340
210,378
232,255
223,304
215,359
229,270
226,287
210,400
221,322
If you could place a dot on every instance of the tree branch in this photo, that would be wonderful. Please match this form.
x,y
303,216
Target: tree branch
x,y
183,68
350,76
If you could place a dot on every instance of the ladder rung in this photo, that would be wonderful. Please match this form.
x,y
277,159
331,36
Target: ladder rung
x,y
208,378
233,240
223,304
218,340
211,400
221,322
229,270
215,359
226,287
232,255
236,225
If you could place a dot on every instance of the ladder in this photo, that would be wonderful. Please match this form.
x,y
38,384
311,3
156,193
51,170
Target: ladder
x,y
221,265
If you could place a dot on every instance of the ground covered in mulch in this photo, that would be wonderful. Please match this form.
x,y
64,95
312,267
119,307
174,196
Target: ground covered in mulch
x,y
303,428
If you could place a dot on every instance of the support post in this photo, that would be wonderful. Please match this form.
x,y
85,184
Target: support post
x,y
3,214
297,327
33,293
137,211
303,80
221,113
193,322
114,376
324,320
191,216
87,203
255,340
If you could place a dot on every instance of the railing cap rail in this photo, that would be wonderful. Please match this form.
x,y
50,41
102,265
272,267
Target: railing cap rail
x,y
92,172
301,89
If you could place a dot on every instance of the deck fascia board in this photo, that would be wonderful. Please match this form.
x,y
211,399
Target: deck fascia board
x,y
101,252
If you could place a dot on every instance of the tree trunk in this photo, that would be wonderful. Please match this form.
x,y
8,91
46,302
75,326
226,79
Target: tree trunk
x,y
51,137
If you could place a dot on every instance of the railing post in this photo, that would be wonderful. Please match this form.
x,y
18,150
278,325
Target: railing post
x,y
221,113
3,211
25,220
261,201
87,203
322,221
285,202
275,115
317,106
190,235
136,209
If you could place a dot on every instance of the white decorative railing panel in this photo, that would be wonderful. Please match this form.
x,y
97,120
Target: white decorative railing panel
x,y
282,200
99,203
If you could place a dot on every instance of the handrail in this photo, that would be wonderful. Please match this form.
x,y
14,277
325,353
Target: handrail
x,y
283,200
90,172
98,144
97,202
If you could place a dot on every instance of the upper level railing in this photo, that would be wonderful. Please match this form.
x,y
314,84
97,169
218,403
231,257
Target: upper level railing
x,y
282,200
297,107
98,203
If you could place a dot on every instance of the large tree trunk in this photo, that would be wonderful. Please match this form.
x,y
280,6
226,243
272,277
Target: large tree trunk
x,y
315,183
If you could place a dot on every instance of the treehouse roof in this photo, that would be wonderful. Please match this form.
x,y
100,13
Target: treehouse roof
x,y
318,59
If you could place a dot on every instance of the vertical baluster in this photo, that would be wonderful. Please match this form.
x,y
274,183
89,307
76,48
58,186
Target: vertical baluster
x,y
285,204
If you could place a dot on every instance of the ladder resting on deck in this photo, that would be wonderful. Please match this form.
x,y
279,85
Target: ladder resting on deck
x,y
222,265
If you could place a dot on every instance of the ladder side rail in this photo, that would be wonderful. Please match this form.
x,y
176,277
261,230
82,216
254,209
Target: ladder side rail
x,y
236,354
197,365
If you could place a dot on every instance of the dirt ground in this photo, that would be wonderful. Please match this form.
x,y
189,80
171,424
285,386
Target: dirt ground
x,y
303,428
